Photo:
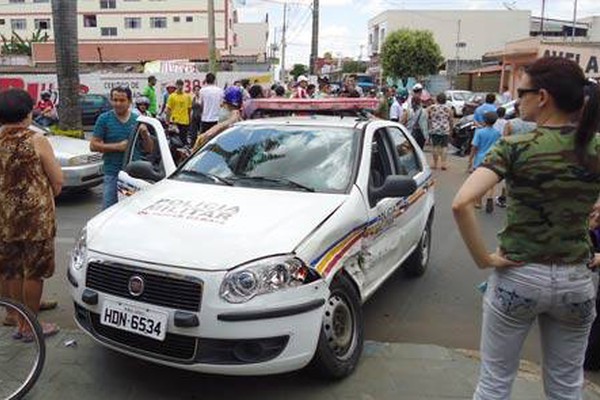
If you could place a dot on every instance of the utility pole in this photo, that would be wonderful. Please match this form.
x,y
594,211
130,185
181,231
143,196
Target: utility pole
x,y
314,48
574,20
543,13
457,58
283,44
212,47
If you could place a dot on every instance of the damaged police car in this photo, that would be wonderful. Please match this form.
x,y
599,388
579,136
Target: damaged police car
x,y
255,255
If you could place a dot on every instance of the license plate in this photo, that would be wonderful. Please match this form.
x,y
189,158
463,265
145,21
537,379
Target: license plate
x,y
134,319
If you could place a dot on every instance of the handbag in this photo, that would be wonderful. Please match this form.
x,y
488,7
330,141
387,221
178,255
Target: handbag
x,y
417,132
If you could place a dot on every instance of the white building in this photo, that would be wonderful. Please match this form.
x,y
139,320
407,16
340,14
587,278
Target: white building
x,y
251,38
461,34
593,27
129,30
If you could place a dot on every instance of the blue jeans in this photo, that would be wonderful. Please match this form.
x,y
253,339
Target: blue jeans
x,y
562,299
109,191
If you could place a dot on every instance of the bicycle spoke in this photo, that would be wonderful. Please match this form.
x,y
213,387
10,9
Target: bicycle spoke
x,y
21,359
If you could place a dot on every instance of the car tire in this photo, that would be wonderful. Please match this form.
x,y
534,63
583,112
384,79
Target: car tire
x,y
416,264
342,333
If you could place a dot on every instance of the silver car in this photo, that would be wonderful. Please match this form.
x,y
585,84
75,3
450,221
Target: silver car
x,y
81,167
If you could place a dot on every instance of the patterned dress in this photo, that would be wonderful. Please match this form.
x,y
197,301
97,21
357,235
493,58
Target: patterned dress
x,y
27,214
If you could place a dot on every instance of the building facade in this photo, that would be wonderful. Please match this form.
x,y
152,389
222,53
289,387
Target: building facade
x,y
127,30
463,35
251,39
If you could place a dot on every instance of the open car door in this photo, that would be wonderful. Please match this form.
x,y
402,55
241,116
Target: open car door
x,y
148,158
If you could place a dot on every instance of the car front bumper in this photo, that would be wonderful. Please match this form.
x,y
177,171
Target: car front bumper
x,y
83,176
270,334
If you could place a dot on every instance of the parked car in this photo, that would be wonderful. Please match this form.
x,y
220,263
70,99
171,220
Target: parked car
x,y
478,99
456,99
92,105
255,255
81,167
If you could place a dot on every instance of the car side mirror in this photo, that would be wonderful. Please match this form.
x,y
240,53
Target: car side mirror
x,y
394,186
143,170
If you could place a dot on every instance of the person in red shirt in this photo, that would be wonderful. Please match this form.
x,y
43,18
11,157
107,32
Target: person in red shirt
x,y
45,111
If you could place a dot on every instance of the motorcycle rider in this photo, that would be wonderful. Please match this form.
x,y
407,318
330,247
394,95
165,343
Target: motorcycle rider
x,y
142,104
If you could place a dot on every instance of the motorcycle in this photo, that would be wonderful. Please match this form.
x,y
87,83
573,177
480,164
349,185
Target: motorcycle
x,y
462,135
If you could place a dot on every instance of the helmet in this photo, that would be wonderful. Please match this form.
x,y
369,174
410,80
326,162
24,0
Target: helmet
x,y
233,96
417,87
142,100
46,95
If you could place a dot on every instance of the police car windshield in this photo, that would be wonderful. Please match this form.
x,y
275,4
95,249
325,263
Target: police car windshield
x,y
300,158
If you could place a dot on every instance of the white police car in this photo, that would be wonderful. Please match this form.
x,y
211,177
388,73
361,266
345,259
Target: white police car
x,y
255,255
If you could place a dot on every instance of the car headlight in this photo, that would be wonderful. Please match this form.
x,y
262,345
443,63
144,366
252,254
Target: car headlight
x,y
79,254
265,276
78,160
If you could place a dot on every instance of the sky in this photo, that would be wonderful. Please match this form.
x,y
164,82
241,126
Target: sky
x,y
344,23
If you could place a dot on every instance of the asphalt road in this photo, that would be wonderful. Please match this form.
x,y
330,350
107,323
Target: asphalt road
x,y
443,307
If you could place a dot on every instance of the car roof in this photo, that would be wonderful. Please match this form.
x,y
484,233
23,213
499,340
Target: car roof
x,y
310,121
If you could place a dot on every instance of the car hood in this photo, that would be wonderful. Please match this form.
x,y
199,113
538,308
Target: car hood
x,y
66,147
208,227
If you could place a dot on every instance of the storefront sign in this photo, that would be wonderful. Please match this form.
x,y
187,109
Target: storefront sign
x,y
588,58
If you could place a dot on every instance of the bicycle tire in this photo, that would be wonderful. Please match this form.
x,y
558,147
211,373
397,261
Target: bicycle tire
x,y
41,346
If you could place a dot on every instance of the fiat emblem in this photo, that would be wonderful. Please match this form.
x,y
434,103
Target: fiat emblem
x,y
136,286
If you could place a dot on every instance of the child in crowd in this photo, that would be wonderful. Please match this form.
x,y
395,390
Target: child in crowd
x,y
483,141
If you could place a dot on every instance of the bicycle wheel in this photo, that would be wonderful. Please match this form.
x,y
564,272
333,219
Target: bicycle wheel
x,y
21,358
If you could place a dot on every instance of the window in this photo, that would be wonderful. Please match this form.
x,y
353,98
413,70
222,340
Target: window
x,y
267,156
408,162
145,148
41,1
18,24
158,22
108,31
42,24
176,19
133,23
105,4
189,18
89,21
381,166
16,1
2,21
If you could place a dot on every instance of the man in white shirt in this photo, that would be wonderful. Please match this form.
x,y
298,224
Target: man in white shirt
x,y
395,109
211,97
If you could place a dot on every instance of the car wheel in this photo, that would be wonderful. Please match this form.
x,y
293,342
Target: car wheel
x,y
416,264
342,332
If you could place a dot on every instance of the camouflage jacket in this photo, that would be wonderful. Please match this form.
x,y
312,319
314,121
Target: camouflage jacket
x,y
550,196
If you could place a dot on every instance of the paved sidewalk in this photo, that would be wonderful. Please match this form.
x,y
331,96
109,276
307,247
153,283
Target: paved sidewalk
x,y
387,371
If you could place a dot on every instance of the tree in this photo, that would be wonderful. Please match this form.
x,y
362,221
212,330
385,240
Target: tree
x,y
356,67
410,53
19,46
299,69
66,49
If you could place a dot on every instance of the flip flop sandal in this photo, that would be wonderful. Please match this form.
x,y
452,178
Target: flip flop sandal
x,y
17,335
48,330
48,305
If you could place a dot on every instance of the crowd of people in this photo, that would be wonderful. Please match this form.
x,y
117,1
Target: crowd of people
x,y
548,159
